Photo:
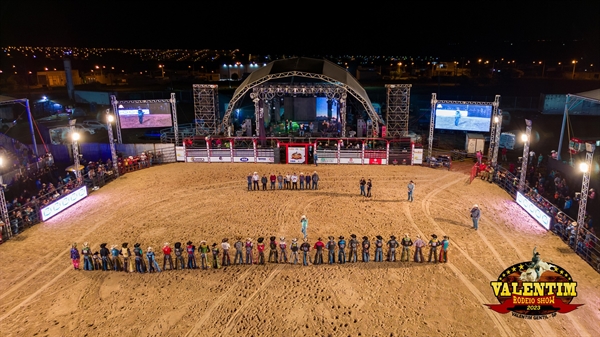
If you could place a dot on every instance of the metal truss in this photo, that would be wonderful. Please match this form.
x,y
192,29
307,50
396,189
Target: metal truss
x,y
206,109
431,126
398,104
525,156
115,105
4,213
495,131
585,184
244,90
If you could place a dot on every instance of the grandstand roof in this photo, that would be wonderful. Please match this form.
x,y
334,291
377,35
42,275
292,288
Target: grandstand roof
x,y
593,95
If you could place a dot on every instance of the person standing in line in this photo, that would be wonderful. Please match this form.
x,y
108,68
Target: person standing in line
x,y
294,181
419,244
365,249
260,247
315,180
406,243
152,263
75,256
362,184
273,256
353,257
255,179
249,256
116,262
104,253
225,246
249,181
411,189
305,247
167,256
369,186
319,245
433,244
87,257
191,249
301,179
179,261
286,180
280,181
444,249
307,179
379,249
204,250
294,251
341,250
263,180
475,215
239,247
215,256
392,245
282,250
331,248
127,262
273,179
304,223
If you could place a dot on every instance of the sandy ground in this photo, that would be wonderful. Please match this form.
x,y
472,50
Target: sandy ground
x,y
42,295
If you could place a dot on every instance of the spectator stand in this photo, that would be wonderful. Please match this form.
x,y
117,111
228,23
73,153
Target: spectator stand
x,y
580,239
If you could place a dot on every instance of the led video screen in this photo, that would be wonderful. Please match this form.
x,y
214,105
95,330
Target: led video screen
x,y
463,117
145,115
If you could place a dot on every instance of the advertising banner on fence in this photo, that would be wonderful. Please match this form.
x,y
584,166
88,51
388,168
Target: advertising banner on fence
x,y
63,203
180,153
534,211
265,159
327,160
374,161
243,159
417,156
351,161
296,155
197,159
220,159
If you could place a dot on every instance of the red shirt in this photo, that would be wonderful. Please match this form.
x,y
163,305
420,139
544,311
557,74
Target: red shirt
x,y
167,250
273,178
319,245
260,247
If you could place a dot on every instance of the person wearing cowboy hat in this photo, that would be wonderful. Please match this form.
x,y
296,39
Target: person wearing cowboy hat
x,y
116,262
104,253
191,249
301,180
139,261
179,261
304,223
260,247
331,248
204,250
444,245
215,256
249,181
319,245
282,250
433,244
379,249
366,245
406,243
225,246
353,243
167,256
392,245
255,179
75,256
419,244
127,261
315,177
305,248
239,248
307,180
475,215
273,256
294,251
341,250
249,245
152,263
87,257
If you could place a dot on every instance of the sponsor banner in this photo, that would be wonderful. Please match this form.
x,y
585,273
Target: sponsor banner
x,y
327,160
63,203
417,156
351,161
220,159
197,159
374,161
180,153
243,159
296,155
265,159
534,211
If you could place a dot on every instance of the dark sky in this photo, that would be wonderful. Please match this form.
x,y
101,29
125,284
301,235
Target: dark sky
x,y
374,27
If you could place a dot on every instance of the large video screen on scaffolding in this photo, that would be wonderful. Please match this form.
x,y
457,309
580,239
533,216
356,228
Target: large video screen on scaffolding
x,y
463,117
145,115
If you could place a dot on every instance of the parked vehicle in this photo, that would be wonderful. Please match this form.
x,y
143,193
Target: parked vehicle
x,y
93,124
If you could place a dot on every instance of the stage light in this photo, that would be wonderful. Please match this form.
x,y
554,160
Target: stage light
x,y
584,167
110,118
524,138
75,136
496,119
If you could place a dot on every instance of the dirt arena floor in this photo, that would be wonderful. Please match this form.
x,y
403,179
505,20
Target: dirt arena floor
x,y
41,294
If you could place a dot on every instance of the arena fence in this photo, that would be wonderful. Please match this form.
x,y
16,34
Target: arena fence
x,y
29,214
581,240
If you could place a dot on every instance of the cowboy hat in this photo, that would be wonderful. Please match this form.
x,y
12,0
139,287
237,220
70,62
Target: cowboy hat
x,y
282,238
330,237
201,242
475,206
353,236
272,238
149,249
434,236
260,240
214,244
294,240
225,239
365,238
190,242
303,216
166,244
406,235
393,237
379,237
341,237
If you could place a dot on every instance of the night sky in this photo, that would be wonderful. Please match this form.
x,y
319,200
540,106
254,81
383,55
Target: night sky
x,y
404,28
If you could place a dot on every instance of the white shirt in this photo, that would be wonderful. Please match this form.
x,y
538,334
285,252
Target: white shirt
x,y
225,245
294,178
255,177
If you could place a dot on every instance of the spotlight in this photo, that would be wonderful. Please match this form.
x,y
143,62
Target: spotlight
x,y
524,137
584,167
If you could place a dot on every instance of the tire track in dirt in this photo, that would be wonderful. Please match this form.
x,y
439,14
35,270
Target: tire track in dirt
x,y
228,326
502,327
542,328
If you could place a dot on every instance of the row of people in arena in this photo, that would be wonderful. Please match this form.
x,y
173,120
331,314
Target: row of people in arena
x,y
284,181
243,253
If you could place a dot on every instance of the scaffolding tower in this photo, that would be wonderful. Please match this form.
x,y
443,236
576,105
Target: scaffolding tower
x,y
398,104
206,109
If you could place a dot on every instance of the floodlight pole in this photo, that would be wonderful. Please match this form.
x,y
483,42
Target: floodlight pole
x,y
35,150
585,183
495,131
525,156
4,213
111,140
431,124
75,152
173,102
